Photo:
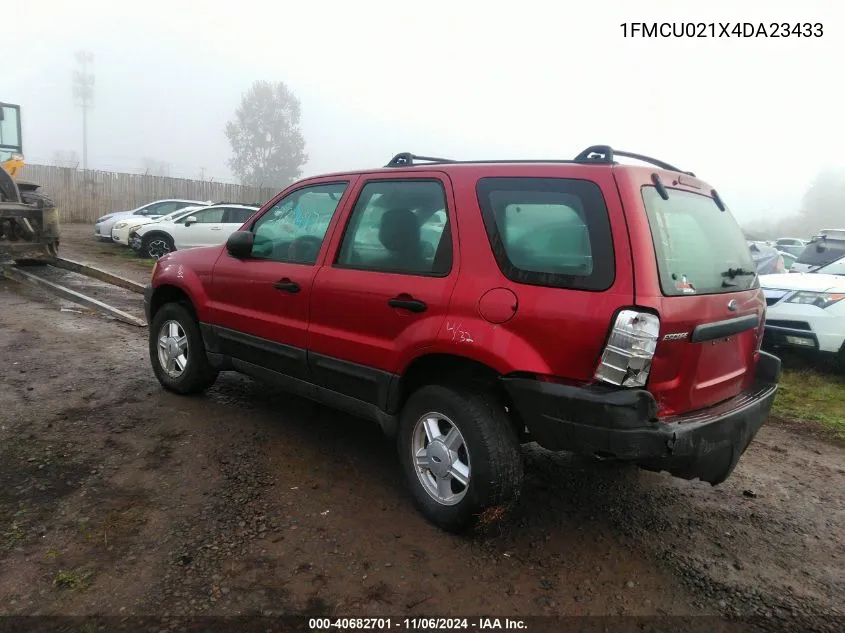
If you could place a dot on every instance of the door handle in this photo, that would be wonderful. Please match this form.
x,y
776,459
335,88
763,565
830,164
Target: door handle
x,y
407,302
215,228
287,285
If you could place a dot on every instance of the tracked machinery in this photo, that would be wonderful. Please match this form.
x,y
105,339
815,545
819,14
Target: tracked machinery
x,y
29,220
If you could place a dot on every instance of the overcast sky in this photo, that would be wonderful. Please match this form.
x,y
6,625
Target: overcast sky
x,y
756,117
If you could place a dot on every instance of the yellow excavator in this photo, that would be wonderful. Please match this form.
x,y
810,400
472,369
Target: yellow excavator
x,y
29,220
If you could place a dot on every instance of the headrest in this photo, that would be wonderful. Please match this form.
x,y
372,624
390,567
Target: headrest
x,y
400,230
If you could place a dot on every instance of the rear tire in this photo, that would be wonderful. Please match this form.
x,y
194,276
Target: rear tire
x,y
157,245
489,455
177,351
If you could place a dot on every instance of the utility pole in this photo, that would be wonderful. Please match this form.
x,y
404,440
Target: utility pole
x,y
83,93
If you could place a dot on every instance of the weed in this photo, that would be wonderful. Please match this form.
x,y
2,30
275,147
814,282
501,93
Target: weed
x,y
14,536
808,396
71,579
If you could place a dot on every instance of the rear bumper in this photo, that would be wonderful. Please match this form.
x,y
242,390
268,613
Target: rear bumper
x,y
622,424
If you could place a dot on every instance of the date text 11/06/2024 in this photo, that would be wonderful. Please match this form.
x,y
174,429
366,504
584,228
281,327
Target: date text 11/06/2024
x,y
415,624
722,29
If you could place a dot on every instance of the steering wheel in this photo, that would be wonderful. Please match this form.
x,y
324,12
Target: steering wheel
x,y
305,248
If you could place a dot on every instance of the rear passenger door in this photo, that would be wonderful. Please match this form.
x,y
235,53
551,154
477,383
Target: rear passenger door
x,y
385,290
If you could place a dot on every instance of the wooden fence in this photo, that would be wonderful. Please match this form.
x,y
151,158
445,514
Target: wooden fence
x,y
84,196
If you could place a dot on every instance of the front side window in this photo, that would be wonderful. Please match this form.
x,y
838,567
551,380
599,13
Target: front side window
x,y
208,216
167,207
549,231
293,230
399,226
700,249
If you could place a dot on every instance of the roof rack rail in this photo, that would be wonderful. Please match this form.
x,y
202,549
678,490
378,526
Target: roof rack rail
x,y
406,159
606,155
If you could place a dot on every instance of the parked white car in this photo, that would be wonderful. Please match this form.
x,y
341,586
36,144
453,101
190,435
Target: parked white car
x,y
209,226
807,310
121,230
104,225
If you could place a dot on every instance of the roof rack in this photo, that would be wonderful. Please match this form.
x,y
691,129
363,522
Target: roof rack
x,y
606,154
406,159
595,154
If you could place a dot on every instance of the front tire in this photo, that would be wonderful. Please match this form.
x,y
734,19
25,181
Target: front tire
x,y
177,351
460,455
157,245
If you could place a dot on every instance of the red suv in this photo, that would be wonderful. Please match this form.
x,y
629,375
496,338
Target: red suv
x,y
467,307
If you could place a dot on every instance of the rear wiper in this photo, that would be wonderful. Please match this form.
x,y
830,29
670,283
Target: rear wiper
x,y
727,284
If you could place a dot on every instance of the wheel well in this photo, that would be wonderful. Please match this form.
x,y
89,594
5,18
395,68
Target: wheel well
x,y
454,370
170,294
153,234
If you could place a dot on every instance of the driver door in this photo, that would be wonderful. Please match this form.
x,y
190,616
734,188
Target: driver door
x,y
260,304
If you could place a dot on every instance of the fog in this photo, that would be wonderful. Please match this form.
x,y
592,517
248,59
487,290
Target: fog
x,y
758,118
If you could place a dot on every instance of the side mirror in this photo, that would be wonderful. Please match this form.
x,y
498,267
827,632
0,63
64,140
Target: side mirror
x,y
190,220
240,243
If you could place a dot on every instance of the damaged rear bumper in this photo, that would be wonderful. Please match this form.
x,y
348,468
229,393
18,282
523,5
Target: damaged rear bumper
x,y
623,424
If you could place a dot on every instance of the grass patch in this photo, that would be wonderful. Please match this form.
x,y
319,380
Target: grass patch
x,y
13,536
71,579
129,254
808,396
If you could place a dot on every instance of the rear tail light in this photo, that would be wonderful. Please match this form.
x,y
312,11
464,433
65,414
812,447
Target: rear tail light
x,y
626,360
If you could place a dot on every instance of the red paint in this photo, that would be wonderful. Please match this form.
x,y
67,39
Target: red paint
x,y
555,332
498,305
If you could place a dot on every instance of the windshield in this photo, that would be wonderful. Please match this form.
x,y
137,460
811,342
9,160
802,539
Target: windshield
x,y
835,268
10,131
700,249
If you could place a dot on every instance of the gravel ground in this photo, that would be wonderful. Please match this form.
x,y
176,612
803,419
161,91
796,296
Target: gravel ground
x,y
117,498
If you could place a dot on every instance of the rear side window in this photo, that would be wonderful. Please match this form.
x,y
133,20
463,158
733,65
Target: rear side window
x,y
210,216
700,249
399,226
549,231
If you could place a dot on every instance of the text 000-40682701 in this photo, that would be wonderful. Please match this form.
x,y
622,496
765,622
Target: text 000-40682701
x,y
722,29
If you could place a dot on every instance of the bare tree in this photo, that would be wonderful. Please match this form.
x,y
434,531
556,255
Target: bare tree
x,y
155,167
267,143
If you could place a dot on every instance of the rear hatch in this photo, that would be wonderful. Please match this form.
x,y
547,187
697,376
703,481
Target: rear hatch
x,y
694,269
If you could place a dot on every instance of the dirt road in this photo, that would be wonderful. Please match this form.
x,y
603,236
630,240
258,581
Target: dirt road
x,y
118,498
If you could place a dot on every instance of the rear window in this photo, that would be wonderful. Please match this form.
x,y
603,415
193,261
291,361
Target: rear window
x,y
699,248
549,231
821,251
